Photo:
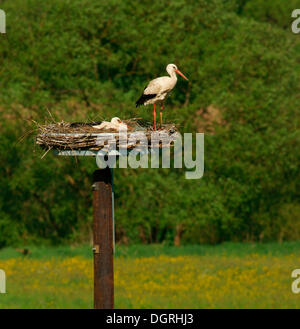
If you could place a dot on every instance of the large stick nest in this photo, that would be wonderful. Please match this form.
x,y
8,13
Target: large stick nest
x,y
82,136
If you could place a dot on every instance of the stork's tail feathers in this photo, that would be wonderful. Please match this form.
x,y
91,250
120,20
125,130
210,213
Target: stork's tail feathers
x,y
143,99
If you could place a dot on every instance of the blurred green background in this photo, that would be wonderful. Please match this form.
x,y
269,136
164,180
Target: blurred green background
x,y
86,60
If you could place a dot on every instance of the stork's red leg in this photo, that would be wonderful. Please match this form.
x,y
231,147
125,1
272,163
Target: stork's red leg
x,y
161,108
154,114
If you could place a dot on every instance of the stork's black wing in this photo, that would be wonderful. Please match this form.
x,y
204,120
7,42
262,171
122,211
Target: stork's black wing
x,y
144,98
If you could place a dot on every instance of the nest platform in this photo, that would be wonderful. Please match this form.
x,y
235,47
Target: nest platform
x,y
83,139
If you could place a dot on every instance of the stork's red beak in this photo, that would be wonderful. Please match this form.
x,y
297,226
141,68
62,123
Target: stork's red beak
x,y
177,71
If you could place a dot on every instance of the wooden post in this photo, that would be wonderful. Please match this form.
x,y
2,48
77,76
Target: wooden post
x,y
103,240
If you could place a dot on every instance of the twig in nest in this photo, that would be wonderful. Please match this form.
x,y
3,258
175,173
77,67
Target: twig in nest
x,y
46,152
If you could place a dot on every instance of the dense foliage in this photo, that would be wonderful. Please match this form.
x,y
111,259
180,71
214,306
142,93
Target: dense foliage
x,y
83,59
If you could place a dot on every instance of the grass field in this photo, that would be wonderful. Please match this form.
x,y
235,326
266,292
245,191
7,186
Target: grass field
x,y
224,276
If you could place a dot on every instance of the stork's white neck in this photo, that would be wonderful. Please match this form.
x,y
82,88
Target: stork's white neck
x,y
173,75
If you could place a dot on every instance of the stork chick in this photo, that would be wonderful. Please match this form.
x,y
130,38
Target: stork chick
x,y
115,123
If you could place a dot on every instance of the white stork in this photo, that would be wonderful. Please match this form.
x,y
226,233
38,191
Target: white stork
x,y
115,123
158,89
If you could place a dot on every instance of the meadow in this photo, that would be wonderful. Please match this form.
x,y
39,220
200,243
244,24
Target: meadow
x,y
229,275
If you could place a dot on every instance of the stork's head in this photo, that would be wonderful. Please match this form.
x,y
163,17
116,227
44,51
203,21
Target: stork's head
x,y
116,121
171,68
119,123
